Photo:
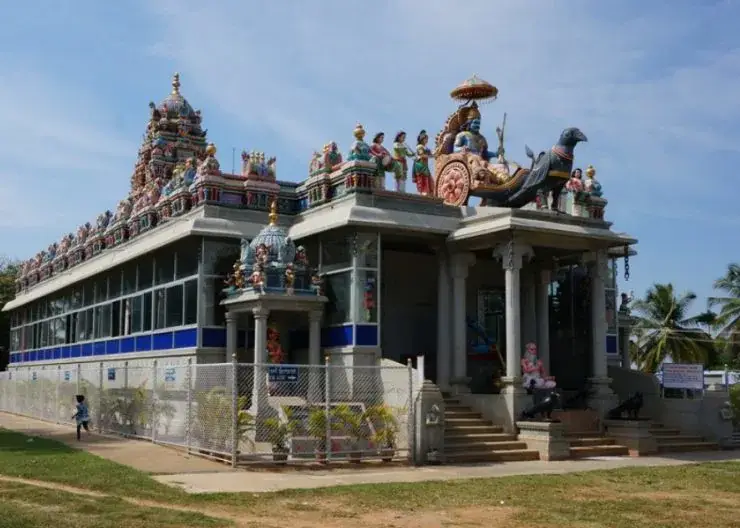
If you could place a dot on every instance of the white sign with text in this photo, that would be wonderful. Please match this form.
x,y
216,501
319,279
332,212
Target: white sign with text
x,y
683,376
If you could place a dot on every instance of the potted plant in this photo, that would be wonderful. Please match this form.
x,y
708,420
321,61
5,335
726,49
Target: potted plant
x,y
279,433
317,422
353,425
386,429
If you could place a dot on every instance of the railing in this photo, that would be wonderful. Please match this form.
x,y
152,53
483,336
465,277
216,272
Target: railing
x,y
241,413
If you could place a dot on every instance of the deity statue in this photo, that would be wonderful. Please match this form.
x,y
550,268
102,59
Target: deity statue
x,y
485,163
420,173
533,371
289,279
400,152
261,254
624,306
257,278
300,256
359,151
331,156
592,185
275,353
314,164
385,162
317,283
575,183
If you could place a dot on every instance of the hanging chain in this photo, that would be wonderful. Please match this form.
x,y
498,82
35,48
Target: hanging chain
x,y
626,263
510,264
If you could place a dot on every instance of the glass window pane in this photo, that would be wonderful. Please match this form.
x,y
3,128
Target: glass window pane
x,y
129,278
60,337
160,309
191,302
174,306
367,297
89,323
146,273
219,255
337,288
134,311
367,250
164,262
188,251
335,254
88,292
214,313
146,312
114,284
101,289
115,319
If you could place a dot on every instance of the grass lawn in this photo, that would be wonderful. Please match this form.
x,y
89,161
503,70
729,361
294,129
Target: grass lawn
x,y
706,495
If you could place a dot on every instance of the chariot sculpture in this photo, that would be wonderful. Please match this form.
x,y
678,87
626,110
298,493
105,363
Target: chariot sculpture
x,y
464,166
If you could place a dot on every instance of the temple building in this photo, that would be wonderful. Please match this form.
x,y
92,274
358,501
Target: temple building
x,y
198,264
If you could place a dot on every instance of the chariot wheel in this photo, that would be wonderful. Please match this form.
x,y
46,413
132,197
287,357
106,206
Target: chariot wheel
x,y
453,183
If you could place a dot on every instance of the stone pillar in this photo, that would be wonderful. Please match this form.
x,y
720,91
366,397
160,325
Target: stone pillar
x,y
232,334
459,264
543,317
512,254
603,399
443,322
528,305
259,387
316,371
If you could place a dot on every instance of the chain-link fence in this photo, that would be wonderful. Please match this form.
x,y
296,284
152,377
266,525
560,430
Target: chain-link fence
x,y
243,413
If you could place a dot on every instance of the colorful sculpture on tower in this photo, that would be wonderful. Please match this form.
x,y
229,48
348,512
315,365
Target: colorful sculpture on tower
x,y
421,175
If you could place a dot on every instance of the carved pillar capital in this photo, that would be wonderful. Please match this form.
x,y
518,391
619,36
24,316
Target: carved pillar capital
x,y
260,312
314,316
599,264
513,254
230,316
460,263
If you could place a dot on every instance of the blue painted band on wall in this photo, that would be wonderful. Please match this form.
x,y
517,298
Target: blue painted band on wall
x,y
186,338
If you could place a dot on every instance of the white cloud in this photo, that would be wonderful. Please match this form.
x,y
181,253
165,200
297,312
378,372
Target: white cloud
x,y
305,76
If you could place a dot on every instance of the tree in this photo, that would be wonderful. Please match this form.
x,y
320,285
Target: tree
x,y
664,329
8,273
727,322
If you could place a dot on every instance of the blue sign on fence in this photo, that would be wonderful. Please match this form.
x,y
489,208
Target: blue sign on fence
x,y
111,374
169,375
67,375
288,374
33,376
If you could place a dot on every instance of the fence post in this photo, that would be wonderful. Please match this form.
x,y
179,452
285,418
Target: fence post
x,y
125,377
100,398
153,418
235,410
189,409
327,406
58,396
410,412
79,375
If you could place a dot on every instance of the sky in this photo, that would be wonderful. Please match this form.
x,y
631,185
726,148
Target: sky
x,y
654,86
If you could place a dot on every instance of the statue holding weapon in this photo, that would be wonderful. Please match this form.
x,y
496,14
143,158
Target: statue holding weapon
x,y
500,134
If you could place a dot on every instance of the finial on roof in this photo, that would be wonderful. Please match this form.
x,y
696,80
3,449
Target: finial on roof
x,y
176,84
273,212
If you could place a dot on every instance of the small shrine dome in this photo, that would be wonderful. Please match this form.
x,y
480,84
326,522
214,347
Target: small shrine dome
x,y
281,249
175,103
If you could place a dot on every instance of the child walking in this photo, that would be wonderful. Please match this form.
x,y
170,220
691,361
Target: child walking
x,y
82,415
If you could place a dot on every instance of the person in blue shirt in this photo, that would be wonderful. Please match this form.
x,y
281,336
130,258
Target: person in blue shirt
x,y
82,416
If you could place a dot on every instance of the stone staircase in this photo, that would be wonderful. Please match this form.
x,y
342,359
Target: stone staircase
x,y
588,444
671,440
469,438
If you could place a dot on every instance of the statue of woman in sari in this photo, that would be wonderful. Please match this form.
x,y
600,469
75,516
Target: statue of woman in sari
x,y
420,173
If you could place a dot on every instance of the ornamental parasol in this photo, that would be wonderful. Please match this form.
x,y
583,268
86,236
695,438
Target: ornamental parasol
x,y
474,89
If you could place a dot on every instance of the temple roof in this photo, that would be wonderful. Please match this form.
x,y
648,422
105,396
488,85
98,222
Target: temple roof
x,y
175,103
281,249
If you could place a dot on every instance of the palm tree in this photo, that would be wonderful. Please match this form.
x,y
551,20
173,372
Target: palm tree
x,y
728,319
664,329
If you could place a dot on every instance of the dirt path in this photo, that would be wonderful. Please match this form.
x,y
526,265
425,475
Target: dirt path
x,y
139,454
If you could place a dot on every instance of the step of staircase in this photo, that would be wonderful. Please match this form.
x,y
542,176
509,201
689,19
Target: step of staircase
x,y
469,438
598,450
671,440
591,441
480,456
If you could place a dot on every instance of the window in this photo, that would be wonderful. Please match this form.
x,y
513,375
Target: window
x,y
146,273
366,297
103,321
338,290
160,309
88,292
89,323
214,311
114,284
191,302
146,312
60,333
367,250
174,306
128,319
164,262
129,278
335,254
115,327
81,326
76,298
188,251
72,327
101,290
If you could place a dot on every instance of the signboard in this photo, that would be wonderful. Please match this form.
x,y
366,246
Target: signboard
x,y
111,374
683,376
67,375
283,374
33,376
169,375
